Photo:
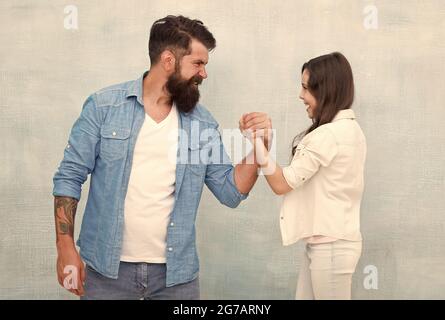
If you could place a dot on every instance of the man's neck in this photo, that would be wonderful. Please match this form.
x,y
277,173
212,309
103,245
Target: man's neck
x,y
154,91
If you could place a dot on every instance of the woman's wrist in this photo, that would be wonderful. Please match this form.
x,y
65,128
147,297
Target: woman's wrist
x,y
264,163
261,153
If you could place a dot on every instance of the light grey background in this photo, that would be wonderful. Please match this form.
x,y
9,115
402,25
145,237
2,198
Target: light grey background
x,y
47,72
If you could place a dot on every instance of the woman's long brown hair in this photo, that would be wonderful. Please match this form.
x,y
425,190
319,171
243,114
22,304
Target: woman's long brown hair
x,y
332,84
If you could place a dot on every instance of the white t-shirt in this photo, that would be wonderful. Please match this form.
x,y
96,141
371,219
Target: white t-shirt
x,y
150,196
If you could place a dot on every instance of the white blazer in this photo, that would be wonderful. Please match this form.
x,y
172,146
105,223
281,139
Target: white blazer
x,y
326,175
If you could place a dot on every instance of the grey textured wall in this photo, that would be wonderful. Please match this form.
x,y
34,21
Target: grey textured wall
x,y
47,71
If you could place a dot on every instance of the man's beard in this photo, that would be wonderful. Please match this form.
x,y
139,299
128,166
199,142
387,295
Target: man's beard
x,y
184,93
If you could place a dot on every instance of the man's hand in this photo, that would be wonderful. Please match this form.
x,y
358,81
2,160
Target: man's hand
x,y
258,123
70,269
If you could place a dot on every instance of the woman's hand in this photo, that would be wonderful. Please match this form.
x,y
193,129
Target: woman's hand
x,y
260,139
257,123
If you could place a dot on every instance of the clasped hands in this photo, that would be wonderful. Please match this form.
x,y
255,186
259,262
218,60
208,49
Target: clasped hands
x,y
257,128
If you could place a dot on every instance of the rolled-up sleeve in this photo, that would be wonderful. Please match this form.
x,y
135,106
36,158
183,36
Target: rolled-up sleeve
x,y
319,150
220,176
80,153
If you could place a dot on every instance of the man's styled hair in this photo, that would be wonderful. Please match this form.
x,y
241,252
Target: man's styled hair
x,y
175,33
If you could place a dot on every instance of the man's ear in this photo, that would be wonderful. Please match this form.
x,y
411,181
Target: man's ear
x,y
168,61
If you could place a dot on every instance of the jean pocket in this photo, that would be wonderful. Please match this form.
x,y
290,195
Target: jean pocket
x,y
89,268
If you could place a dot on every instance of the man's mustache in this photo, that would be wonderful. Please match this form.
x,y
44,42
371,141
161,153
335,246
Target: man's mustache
x,y
196,80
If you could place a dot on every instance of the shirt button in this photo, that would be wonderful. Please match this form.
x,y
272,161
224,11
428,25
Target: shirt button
x,y
68,146
172,224
114,133
282,218
303,179
170,249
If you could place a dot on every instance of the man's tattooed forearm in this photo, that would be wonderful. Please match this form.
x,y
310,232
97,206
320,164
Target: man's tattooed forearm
x,y
64,211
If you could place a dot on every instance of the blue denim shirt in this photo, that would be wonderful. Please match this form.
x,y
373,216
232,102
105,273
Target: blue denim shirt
x,y
101,143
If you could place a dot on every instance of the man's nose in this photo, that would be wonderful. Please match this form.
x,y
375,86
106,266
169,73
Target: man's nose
x,y
203,73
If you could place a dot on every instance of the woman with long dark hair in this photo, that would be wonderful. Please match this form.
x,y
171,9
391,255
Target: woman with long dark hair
x,y
323,185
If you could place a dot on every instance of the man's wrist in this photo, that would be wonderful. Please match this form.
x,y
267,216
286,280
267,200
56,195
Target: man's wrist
x,y
65,243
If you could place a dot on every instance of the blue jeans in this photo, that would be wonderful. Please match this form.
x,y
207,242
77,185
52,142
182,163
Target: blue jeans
x,y
137,281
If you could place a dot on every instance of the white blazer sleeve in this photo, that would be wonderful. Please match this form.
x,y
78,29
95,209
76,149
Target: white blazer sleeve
x,y
318,150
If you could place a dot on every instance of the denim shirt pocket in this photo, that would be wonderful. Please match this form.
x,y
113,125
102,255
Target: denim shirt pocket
x,y
197,159
113,142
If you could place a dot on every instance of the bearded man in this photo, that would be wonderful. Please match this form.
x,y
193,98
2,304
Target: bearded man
x,y
142,144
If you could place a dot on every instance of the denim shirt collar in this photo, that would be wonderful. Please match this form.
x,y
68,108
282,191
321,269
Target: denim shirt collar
x,y
135,88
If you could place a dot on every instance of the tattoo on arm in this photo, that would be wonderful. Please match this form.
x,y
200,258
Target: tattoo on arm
x,y
64,212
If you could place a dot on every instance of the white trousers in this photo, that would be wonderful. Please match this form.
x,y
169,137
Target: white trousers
x,y
326,270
